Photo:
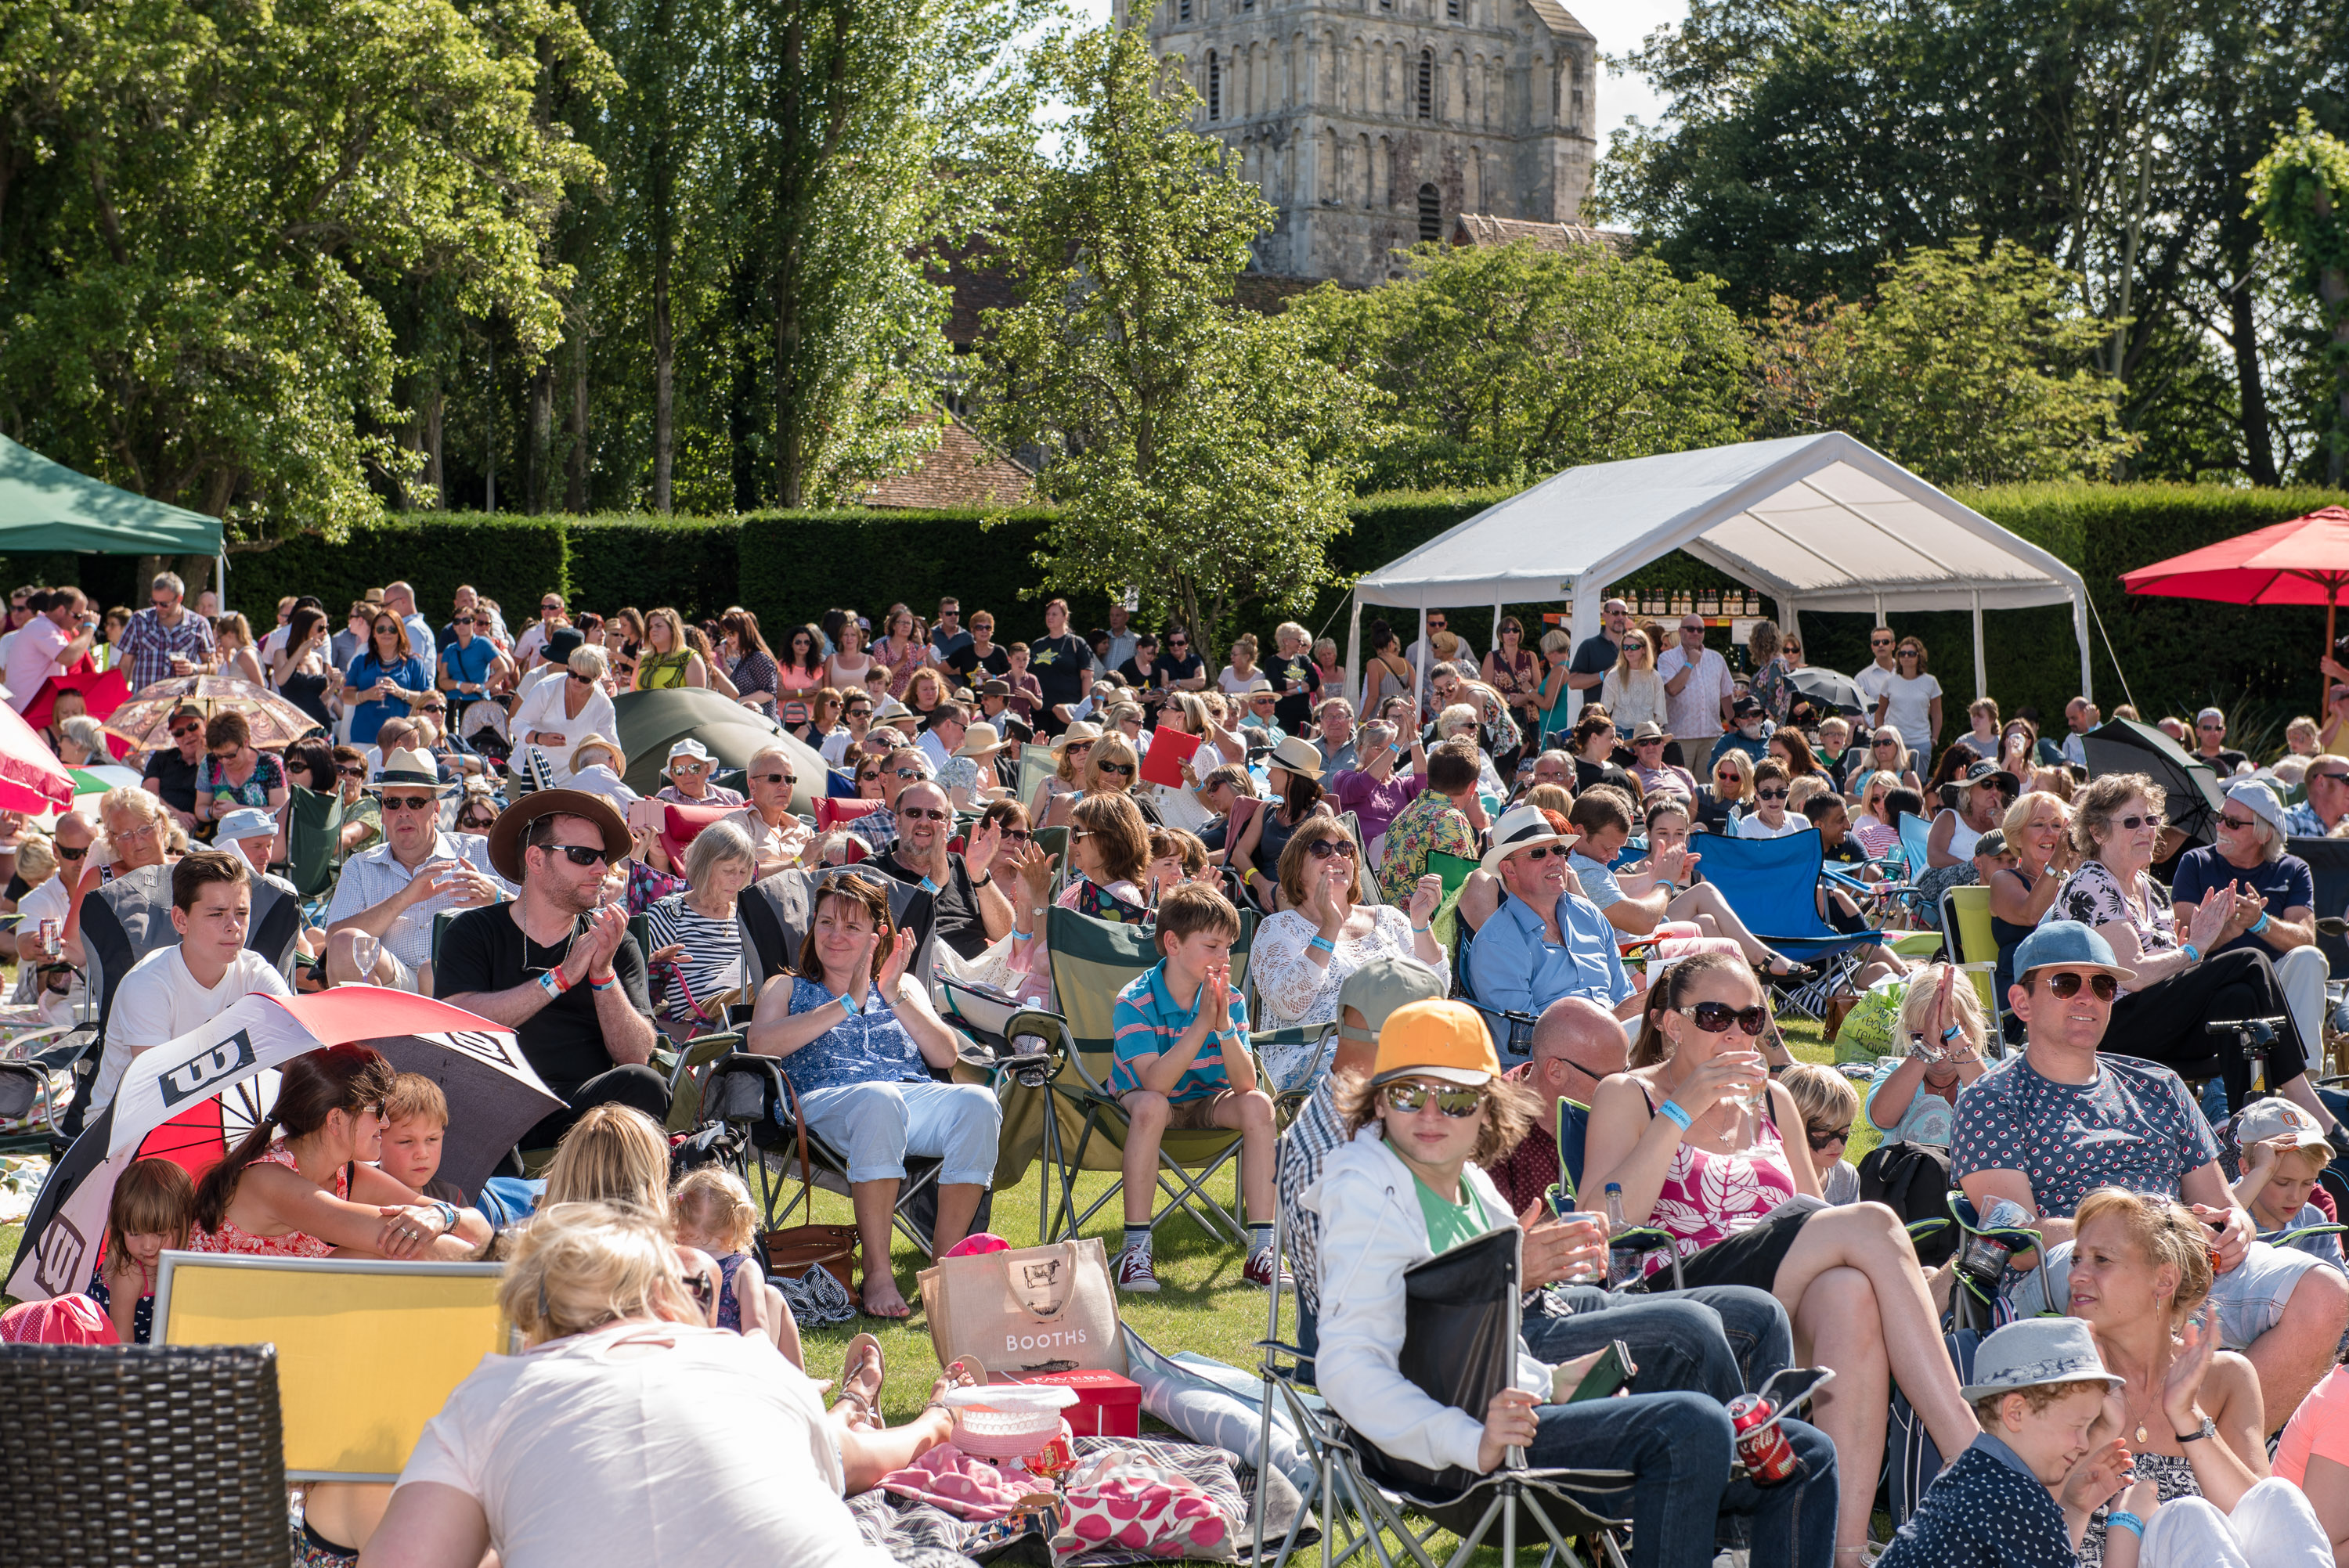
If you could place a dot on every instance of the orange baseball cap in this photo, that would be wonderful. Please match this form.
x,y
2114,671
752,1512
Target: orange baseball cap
x,y
1438,1039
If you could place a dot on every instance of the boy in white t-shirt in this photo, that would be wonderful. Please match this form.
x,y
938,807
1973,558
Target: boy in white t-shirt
x,y
175,989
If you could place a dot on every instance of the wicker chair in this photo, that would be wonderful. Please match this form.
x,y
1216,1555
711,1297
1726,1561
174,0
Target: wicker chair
x,y
143,1457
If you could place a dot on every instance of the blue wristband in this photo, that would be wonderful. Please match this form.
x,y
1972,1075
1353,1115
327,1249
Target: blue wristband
x,y
1672,1111
1322,943
2128,1521
2261,925
2193,954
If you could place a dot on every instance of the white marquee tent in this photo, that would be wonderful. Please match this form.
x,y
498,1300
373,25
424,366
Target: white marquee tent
x,y
1817,522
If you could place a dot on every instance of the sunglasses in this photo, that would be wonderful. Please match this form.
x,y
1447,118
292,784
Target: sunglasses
x,y
1714,1018
350,772
1016,835
583,680
2065,985
906,772
465,621
1886,745
1079,748
860,713
787,778
1177,642
1821,1138
408,803
1771,794
2334,778
1122,769
2130,824
184,733
2210,727
1409,1098
1324,849
66,854
477,820
550,606
924,814
580,855
697,1285
2237,824
1880,642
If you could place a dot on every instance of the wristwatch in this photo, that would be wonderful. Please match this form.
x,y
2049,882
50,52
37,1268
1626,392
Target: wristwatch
x,y
2209,1428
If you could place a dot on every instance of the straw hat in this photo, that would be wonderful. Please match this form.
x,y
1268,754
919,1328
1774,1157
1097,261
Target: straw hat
x,y
1075,735
980,740
1292,754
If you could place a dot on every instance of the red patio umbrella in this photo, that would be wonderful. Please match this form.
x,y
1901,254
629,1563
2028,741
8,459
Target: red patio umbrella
x,y
2303,561
32,779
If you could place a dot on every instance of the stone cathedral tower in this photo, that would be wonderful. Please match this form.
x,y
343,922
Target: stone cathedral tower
x,y
1371,125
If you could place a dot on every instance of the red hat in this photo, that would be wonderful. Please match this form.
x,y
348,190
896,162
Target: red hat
x,y
60,1320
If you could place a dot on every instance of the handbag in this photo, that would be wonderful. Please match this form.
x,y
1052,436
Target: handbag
x,y
793,1249
1027,1310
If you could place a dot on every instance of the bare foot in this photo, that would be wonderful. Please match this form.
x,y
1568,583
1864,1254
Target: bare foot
x,y
881,1298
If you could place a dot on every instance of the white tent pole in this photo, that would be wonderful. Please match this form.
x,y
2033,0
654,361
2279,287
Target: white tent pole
x,y
1354,651
222,573
1419,665
1879,612
2080,630
1790,621
1982,654
1585,624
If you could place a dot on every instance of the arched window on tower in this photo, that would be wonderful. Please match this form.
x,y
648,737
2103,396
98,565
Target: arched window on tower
x,y
1431,214
1214,86
1427,96
1181,10
1452,9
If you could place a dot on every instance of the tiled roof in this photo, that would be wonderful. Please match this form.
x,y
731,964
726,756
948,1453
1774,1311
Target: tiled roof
x,y
960,471
1558,19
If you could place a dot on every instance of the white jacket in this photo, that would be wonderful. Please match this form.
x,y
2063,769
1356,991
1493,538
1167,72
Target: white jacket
x,y
1371,1230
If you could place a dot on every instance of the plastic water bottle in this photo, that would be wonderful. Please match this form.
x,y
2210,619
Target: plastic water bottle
x,y
1622,1263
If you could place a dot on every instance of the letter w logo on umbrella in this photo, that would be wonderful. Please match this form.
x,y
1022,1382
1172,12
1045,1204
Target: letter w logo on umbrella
x,y
192,1079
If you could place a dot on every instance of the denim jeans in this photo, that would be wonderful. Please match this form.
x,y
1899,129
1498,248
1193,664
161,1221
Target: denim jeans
x,y
1677,1447
1721,1340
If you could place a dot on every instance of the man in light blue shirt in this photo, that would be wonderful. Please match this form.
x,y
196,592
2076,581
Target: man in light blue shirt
x,y
1543,941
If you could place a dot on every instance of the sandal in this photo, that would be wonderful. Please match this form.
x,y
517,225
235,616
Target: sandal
x,y
863,1352
1797,972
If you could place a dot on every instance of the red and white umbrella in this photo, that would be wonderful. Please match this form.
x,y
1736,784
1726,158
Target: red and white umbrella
x,y
190,1099
32,779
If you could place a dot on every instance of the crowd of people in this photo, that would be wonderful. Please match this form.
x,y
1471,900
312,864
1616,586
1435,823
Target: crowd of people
x,y
1476,920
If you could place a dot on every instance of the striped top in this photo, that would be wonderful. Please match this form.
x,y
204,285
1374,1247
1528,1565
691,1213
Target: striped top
x,y
711,961
1147,1023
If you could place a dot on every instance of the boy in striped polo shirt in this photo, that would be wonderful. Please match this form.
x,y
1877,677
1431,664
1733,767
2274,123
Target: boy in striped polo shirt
x,y
1173,1028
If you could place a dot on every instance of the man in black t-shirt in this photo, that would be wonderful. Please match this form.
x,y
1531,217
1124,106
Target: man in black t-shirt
x,y
971,912
1185,670
1596,655
171,771
1061,662
556,965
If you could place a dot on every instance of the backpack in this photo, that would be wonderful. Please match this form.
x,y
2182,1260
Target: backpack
x,y
1912,1179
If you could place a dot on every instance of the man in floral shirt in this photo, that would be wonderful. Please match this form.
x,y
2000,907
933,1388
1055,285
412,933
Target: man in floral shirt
x,y
1445,816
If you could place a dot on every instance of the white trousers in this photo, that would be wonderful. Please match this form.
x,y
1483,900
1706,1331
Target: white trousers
x,y
2301,973
2273,1527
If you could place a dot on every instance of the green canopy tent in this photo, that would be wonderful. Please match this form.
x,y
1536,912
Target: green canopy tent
x,y
45,506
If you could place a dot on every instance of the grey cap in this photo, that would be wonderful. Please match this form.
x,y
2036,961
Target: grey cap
x,y
2035,1351
248,822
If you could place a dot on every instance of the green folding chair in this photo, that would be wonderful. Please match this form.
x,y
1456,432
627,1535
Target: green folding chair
x,y
314,824
1092,960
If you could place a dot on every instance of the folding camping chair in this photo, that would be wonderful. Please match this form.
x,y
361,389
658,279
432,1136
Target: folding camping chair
x,y
1460,1341
1092,960
1512,1032
314,825
1772,884
1966,932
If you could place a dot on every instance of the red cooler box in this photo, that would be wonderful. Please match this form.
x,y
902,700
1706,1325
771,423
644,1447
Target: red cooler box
x,y
1108,1406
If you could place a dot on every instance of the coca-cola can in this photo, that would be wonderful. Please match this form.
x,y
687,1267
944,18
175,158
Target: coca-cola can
x,y
1767,1456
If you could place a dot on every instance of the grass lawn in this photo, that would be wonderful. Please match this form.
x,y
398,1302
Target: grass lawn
x,y
1202,1304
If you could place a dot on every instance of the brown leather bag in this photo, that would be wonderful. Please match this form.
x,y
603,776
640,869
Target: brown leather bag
x,y
795,1249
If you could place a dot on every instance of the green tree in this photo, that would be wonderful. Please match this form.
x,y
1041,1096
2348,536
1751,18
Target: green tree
x,y
1969,364
1507,364
202,206
2301,193
1200,453
1808,142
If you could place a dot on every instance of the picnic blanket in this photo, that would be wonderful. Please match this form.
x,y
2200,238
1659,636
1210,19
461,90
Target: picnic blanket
x,y
913,1531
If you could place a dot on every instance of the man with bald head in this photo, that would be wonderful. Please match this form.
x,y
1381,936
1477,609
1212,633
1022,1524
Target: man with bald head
x,y
1576,1043
43,911
776,836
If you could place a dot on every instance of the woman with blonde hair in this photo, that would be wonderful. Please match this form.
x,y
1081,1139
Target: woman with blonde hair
x,y
1633,692
556,715
1242,672
2189,1413
1071,756
239,654
1729,790
669,660
1872,824
628,1431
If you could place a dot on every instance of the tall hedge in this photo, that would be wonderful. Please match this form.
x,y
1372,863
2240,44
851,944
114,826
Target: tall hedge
x,y
691,564
2176,655
512,559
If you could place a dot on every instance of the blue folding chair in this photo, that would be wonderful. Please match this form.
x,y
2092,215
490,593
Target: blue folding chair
x,y
1772,884
1513,1033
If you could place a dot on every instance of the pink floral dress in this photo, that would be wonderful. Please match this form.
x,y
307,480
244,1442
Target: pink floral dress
x,y
1708,1197
234,1238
